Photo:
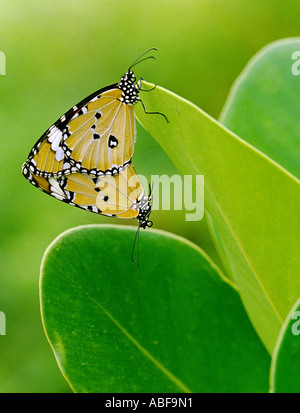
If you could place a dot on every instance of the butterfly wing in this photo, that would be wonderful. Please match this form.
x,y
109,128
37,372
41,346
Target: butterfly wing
x,y
47,158
101,138
95,137
115,196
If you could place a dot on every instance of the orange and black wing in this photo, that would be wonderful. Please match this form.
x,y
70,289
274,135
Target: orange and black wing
x,y
95,137
100,138
115,196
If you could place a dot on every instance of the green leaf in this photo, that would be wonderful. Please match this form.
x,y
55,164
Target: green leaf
x,y
172,325
263,106
285,367
253,202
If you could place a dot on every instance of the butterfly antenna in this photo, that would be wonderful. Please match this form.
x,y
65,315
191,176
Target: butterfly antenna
x,y
150,195
136,242
143,54
151,189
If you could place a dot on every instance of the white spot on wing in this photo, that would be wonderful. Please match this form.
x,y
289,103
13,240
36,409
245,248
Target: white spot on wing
x,y
66,165
59,156
56,142
53,134
56,189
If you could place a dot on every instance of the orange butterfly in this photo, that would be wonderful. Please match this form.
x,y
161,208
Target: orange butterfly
x,y
95,137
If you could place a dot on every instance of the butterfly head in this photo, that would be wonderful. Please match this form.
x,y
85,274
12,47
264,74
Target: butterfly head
x,y
145,206
130,76
129,89
144,213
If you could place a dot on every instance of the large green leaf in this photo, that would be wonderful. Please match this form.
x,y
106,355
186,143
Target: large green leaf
x,y
285,367
263,106
173,325
253,202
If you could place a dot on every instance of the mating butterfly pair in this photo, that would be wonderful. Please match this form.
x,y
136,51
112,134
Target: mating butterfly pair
x,y
84,158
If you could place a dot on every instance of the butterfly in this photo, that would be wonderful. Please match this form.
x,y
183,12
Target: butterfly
x,y
95,137
121,195
84,158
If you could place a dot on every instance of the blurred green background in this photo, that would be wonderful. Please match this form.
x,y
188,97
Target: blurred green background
x,y
57,53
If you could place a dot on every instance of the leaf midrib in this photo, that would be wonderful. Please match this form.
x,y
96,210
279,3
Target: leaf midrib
x,y
145,352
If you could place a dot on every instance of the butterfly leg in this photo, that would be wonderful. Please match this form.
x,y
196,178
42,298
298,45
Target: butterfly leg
x,y
144,90
153,113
